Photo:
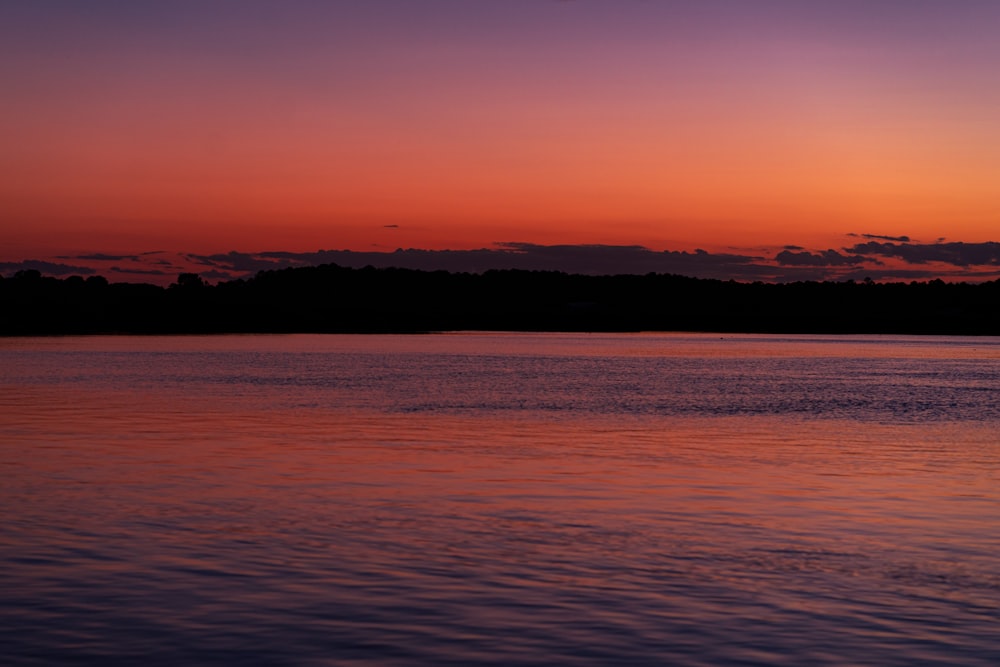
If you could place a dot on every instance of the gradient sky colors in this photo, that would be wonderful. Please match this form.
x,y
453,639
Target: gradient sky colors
x,y
216,125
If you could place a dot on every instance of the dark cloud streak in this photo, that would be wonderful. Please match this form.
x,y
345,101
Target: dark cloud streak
x,y
879,260
825,258
881,237
957,254
138,272
102,257
582,259
49,268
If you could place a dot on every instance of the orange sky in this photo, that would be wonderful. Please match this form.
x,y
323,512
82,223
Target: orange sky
x,y
300,126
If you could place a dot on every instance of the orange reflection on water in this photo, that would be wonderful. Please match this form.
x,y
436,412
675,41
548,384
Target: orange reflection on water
x,y
241,505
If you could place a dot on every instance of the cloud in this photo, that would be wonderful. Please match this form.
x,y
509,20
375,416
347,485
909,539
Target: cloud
x,y
102,257
794,263
583,259
825,258
880,260
791,264
607,259
49,268
138,272
903,239
242,262
956,254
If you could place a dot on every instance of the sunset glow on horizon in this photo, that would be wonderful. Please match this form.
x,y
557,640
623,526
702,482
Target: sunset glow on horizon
x,y
252,126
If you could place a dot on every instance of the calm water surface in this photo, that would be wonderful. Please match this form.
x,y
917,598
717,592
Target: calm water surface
x,y
500,499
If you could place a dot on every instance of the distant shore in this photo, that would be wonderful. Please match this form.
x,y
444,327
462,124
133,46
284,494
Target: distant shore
x,y
335,299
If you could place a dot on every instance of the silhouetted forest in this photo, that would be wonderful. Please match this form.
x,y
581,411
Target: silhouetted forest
x,y
331,298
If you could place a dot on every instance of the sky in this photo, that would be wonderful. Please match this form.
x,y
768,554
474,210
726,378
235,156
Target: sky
x,y
817,139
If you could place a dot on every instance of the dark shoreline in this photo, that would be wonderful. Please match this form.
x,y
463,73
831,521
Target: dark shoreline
x,y
334,299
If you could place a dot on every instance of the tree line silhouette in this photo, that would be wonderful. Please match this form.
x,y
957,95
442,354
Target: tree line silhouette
x,y
335,299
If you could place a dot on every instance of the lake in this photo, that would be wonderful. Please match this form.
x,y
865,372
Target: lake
x,y
500,499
